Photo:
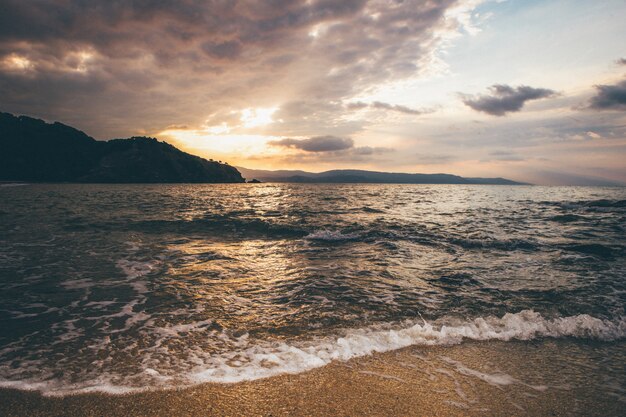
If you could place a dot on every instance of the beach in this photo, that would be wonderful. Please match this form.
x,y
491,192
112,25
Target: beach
x,y
544,377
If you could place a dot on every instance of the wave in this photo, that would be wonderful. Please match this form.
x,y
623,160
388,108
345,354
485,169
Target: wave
x,y
594,249
219,224
330,235
606,203
255,360
287,358
371,210
491,243
566,218
13,184
593,205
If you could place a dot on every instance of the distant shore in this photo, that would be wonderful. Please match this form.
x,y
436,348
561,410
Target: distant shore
x,y
541,378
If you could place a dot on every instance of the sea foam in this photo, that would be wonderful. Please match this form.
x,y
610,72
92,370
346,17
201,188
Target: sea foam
x,y
273,359
252,359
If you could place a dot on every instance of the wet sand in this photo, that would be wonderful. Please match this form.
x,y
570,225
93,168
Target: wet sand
x,y
539,378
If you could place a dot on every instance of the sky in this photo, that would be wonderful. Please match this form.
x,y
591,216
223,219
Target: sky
x,y
529,90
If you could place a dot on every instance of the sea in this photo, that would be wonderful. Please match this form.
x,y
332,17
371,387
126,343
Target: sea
x,y
125,288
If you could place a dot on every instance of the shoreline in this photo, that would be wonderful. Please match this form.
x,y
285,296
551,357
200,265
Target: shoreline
x,y
541,377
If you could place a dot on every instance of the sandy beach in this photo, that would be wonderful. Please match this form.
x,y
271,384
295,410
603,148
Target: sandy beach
x,y
547,378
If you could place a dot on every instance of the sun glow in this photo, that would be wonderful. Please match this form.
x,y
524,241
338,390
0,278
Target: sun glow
x,y
230,141
257,117
211,144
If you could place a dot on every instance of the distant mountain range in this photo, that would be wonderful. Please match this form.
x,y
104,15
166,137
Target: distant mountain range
x,y
361,176
33,150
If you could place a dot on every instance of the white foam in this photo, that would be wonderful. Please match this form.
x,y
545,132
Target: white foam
x,y
69,331
248,359
135,269
177,329
330,235
265,361
78,284
100,304
498,379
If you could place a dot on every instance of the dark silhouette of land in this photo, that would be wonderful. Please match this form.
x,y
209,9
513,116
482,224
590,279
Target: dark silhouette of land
x,y
33,150
361,176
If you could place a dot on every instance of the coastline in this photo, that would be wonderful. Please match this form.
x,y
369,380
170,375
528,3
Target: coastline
x,y
542,377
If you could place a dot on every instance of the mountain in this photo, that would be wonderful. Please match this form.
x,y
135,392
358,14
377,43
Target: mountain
x,y
361,176
33,150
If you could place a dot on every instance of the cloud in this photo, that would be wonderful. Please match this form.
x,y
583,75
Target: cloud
x,y
505,99
326,149
177,127
116,67
359,155
432,159
358,105
504,156
307,117
609,97
316,144
223,50
621,61
369,150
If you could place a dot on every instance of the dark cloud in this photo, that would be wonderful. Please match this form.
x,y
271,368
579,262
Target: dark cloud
x,y
621,61
116,66
316,144
505,99
610,97
384,106
223,50
326,149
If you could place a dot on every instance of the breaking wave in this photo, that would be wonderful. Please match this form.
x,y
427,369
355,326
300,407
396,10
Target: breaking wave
x,y
254,360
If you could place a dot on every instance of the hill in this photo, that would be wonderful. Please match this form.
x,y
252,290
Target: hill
x,y
33,150
361,176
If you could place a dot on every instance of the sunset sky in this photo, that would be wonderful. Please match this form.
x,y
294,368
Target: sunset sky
x,y
529,90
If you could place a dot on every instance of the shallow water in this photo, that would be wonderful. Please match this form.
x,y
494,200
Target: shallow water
x,y
126,287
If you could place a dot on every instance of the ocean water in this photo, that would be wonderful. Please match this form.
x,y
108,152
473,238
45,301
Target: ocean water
x,y
119,288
